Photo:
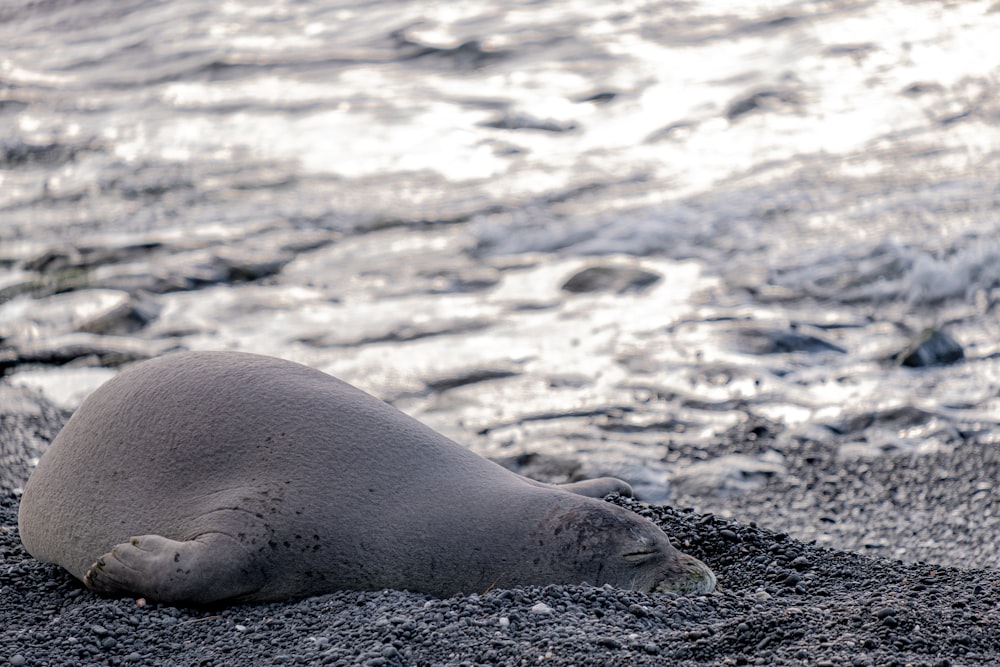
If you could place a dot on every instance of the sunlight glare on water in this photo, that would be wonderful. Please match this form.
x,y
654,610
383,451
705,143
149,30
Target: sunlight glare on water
x,y
827,81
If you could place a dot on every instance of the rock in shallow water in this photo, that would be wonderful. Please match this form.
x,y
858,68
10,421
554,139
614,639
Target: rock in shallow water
x,y
934,348
90,310
82,348
755,339
66,327
610,278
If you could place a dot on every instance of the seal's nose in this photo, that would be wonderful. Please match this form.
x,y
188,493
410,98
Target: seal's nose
x,y
697,578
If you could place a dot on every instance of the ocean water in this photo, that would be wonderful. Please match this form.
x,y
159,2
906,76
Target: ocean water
x,y
851,116
815,184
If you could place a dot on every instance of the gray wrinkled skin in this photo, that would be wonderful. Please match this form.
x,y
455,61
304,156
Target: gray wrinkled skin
x,y
222,476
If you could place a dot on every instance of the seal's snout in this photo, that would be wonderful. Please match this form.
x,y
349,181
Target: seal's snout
x,y
695,578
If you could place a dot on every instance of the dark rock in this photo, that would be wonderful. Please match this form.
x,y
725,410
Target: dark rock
x,y
111,351
922,87
762,100
896,417
857,50
25,320
763,340
55,259
676,130
934,348
201,268
470,376
602,97
517,121
467,55
17,152
610,278
463,280
113,250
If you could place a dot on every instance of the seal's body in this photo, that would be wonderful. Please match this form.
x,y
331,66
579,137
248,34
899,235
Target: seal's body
x,y
222,476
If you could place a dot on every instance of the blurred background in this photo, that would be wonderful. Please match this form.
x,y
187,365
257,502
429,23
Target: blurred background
x,y
746,258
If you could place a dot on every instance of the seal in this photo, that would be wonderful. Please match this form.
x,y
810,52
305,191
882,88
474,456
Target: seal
x,y
218,477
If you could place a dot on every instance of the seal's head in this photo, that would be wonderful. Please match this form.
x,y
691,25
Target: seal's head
x,y
605,544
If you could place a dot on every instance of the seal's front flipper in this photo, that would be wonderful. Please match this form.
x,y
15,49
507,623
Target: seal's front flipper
x,y
598,488
210,568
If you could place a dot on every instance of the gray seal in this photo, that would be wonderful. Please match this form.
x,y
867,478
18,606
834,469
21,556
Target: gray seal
x,y
216,477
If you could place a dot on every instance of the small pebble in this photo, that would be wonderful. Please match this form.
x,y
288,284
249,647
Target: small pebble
x,y
541,608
